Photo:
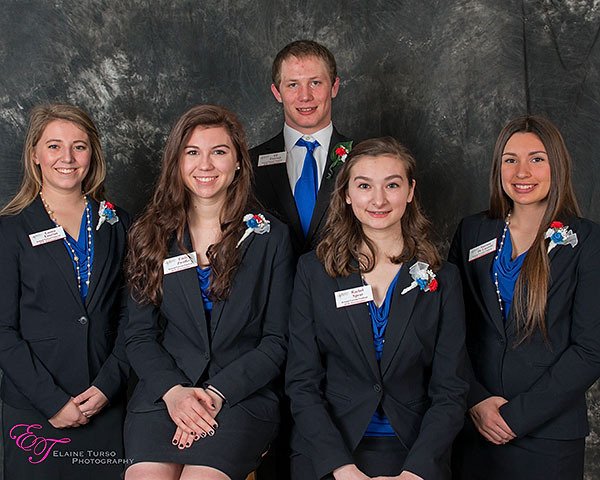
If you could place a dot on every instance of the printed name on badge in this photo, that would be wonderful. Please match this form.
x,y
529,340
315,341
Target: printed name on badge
x,y
271,159
353,296
483,249
47,236
180,262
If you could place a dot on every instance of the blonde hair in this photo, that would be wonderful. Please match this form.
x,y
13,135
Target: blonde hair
x,y
41,116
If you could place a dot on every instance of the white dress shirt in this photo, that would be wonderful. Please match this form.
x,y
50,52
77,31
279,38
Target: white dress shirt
x,y
295,154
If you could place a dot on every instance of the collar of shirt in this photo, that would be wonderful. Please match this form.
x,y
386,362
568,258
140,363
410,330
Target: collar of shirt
x,y
295,154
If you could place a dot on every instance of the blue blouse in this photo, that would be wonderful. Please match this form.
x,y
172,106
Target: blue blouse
x,y
80,246
204,280
508,272
380,425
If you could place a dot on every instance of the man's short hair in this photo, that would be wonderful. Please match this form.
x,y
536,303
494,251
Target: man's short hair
x,y
303,49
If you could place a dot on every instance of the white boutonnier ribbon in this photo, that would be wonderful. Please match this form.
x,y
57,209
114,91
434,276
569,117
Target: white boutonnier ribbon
x,y
423,277
560,234
106,213
255,223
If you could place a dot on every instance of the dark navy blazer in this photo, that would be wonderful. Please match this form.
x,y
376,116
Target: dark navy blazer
x,y
544,383
272,188
53,346
335,383
246,346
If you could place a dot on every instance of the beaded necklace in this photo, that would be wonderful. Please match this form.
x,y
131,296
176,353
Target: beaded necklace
x,y
506,224
68,244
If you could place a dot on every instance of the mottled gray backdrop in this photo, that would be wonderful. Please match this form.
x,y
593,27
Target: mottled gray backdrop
x,y
442,76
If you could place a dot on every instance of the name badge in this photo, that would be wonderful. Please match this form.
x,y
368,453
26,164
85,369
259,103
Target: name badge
x,y
271,159
483,249
353,296
47,236
180,262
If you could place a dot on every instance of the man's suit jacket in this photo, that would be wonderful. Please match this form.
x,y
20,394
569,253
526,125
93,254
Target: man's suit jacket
x,y
53,346
335,383
544,384
243,347
272,188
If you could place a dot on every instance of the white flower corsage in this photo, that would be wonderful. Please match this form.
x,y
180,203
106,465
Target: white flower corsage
x,y
560,234
107,213
423,277
255,223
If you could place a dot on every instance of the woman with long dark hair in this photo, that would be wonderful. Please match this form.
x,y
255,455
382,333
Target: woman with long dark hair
x,y
530,267
62,305
376,353
210,279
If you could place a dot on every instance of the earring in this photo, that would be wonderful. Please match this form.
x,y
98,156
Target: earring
x,y
237,168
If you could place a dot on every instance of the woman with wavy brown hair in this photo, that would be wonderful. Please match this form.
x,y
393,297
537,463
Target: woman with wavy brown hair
x,y
376,353
210,279
530,268
62,307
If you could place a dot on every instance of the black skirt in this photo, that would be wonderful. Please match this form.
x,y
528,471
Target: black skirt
x,y
34,449
527,458
235,449
374,456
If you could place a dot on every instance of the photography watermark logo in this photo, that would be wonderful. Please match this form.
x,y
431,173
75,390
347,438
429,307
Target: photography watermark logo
x,y
40,447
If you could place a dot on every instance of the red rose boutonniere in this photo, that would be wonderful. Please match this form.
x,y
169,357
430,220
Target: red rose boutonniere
x,y
338,157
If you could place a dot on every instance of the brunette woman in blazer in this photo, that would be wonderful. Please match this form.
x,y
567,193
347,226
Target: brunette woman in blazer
x,y
62,305
364,408
211,281
531,270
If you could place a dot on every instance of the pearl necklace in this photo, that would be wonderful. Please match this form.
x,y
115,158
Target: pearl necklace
x,y
506,224
68,244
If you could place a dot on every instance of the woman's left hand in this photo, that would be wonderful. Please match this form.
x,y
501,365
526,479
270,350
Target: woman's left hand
x,y
91,401
403,476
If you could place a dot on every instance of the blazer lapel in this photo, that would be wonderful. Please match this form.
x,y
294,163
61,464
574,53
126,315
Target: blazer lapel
x,y
360,321
102,245
188,281
400,316
280,183
218,307
38,220
483,267
325,190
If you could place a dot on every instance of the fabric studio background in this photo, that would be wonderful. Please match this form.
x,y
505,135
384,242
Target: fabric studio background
x,y
441,76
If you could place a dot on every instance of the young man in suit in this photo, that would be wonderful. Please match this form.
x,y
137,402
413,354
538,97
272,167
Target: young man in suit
x,y
295,170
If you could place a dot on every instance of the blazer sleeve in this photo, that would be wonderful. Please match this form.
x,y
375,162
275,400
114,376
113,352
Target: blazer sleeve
x,y
112,377
477,392
447,389
18,362
259,366
304,376
579,365
152,363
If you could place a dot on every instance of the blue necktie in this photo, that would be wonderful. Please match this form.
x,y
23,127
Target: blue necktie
x,y
305,192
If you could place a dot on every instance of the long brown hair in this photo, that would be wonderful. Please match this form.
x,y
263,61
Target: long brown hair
x,y
343,236
41,116
165,218
531,289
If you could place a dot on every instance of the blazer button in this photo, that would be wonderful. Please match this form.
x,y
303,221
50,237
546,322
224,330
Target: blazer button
x,y
377,387
207,356
82,320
